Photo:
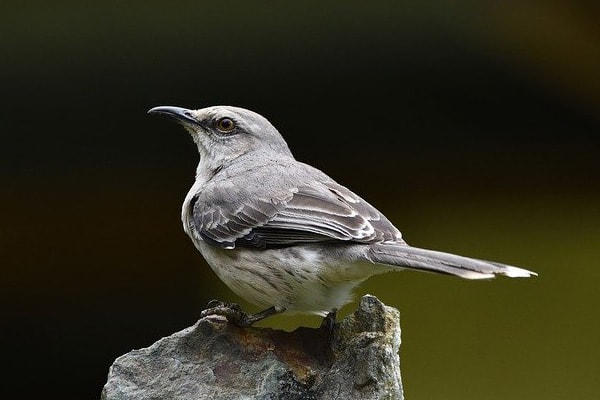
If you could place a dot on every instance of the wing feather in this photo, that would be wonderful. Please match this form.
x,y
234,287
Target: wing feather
x,y
319,212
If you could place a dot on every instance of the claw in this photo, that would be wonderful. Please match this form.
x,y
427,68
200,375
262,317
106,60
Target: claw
x,y
234,314
215,304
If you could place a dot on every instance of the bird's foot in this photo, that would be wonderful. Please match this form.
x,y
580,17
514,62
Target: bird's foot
x,y
233,312
329,320
328,323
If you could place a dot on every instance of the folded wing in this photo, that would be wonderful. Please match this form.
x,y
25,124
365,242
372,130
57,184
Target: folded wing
x,y
319,212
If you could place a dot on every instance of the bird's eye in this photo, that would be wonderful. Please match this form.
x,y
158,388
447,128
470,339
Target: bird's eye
x,y
225,125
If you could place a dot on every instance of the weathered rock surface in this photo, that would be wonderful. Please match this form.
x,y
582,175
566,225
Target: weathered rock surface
x,y
213,359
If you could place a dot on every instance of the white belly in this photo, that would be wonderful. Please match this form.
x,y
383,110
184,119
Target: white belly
x,y
295,279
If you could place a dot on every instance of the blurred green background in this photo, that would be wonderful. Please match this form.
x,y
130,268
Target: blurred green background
x,y
474,127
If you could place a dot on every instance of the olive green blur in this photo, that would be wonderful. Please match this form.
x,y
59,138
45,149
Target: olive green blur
x,y
474,128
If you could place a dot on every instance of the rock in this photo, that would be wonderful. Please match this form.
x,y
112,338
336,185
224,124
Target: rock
x,y
213,359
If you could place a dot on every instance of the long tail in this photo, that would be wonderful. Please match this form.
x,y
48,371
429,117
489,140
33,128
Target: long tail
x,y
442,263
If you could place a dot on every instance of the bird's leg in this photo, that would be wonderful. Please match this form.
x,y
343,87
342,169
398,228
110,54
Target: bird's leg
x,y
252,318
234,314
328,327
329,321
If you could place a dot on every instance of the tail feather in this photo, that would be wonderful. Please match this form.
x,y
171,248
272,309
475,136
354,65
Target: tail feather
x,y
442,263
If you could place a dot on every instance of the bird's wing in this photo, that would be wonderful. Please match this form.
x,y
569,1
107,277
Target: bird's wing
x,y
318,212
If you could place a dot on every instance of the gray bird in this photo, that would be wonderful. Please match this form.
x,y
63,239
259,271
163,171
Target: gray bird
x,y
282,234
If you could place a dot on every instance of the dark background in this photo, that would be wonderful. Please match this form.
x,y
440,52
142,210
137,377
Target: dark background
x,y
475,128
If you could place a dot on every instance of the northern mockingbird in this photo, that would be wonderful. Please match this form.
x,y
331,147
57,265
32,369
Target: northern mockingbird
x,y
282,234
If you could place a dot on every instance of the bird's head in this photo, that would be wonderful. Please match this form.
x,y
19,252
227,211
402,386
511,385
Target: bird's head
x,y
224,133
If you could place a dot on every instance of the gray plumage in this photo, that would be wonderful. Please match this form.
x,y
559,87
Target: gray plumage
x,y
283,234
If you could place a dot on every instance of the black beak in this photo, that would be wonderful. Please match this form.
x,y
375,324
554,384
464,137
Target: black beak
x,y
181,115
